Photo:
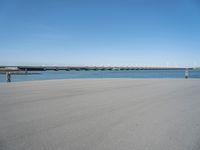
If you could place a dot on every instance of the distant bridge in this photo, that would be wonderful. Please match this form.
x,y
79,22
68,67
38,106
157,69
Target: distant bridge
x,y
79,68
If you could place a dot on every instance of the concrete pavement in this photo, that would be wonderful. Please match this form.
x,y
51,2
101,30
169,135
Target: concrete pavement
x,y
100,114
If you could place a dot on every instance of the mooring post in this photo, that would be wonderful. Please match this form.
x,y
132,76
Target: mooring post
x,y
8,77
186,73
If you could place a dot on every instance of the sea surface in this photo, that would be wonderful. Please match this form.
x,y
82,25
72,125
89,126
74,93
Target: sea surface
x,y
49,75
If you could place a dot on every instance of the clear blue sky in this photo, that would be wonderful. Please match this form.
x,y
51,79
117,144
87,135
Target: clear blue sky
x,y
100,32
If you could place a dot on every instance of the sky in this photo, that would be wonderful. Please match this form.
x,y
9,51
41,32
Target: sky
x,y
100,32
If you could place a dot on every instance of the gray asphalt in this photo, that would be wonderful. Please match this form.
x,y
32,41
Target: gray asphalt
x,y
100,114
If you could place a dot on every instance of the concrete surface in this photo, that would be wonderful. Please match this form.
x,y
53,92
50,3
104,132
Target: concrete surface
x,y
100,114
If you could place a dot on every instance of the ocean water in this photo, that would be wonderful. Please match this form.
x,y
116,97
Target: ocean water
x,y
49,75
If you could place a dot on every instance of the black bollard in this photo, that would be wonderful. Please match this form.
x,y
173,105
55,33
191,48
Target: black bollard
x,y
8,77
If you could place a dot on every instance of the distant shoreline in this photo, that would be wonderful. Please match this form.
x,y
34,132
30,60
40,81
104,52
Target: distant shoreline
x,y
22,73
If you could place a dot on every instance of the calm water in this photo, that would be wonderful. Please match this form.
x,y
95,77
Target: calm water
x,y
47,75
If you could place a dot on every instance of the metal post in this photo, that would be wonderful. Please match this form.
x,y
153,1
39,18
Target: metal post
x,y
186,73
8,77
